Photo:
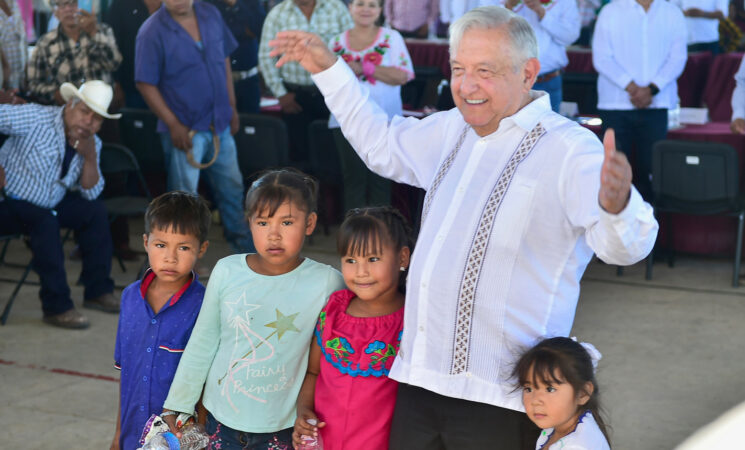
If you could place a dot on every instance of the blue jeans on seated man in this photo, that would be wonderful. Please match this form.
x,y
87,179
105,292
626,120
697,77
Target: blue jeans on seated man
x,y
224,177
553,88
90,221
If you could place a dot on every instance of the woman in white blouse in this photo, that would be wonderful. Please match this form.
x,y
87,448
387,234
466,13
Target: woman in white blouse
x,y
379,58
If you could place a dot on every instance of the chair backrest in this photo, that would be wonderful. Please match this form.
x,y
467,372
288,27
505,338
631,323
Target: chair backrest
x,y
118,159
324,157
138,129
695,177
262,143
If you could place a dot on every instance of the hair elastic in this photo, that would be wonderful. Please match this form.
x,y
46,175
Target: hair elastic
x,y
594,353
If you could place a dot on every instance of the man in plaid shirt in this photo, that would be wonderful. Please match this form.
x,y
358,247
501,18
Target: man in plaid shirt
x,y
80,49
300,100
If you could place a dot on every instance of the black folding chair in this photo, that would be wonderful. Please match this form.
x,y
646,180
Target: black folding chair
x,y
262,143
697,178
138,132
117,161
6,240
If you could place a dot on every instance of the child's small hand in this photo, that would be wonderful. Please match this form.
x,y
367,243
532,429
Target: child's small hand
x,y
170,420
303,428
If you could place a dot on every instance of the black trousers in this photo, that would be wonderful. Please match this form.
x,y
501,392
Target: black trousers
x,y
314,107
636,132
424,420
89,220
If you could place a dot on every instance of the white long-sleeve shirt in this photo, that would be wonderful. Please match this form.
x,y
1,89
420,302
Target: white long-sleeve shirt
x,y
738,95
451,10
559,27
701,29
488,278
630,44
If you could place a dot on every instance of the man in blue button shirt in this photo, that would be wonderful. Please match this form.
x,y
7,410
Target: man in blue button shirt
x,y
182,69
159,311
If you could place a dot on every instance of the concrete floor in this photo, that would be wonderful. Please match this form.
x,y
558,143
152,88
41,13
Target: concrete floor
x,y
673,354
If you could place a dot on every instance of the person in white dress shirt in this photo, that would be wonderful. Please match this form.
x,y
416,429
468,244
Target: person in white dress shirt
x,y
452,10
518,200
639,51
556,24
702,22
738,101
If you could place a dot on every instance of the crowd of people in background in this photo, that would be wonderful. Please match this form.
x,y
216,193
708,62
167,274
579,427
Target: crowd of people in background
x,y
487,164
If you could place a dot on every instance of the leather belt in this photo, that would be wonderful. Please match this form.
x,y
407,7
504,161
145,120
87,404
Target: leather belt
x,y
241,75
548,76
309,88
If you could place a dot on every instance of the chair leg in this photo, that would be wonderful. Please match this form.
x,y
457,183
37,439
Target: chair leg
x,y
121,263
650,263
738,250
619,271
2,253
6,311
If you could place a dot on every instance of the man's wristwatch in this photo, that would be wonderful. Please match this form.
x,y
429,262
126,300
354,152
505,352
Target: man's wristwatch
x,y
653,89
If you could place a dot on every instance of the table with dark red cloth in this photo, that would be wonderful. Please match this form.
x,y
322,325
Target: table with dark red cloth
x,y
717,95
691,84
432,53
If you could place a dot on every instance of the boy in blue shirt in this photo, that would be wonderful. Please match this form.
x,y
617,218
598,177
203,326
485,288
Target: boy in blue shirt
x,y
159,311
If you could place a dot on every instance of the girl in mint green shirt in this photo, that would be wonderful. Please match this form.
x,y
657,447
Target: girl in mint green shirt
x,y
249,348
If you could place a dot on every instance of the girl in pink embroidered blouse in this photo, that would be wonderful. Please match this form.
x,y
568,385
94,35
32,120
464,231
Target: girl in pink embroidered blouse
x,y
347,389
379,58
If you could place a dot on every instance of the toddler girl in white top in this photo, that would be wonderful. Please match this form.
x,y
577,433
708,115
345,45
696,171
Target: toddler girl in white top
x,y
560,394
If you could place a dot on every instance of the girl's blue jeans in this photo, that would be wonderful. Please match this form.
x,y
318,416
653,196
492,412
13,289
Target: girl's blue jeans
x,y
226,438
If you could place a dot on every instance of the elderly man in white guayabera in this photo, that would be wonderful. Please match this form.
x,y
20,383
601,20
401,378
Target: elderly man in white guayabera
x,y
518,199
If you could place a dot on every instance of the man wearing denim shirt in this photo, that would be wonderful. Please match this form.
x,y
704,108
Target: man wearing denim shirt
x,y
182,69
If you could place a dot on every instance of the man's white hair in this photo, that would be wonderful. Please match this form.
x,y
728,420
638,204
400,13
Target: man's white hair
x,y
523,41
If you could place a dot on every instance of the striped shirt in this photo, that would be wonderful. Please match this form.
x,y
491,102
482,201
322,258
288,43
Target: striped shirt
x,y
329,18
32,156
410,15
58,58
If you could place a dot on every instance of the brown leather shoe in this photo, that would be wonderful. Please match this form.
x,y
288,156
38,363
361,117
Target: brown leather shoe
x,y
106,303
70,319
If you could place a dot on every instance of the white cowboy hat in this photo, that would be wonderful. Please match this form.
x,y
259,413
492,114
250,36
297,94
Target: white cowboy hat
x,y
95,93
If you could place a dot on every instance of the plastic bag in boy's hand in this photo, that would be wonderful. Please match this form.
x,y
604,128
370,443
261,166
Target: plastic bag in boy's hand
x,y
157,435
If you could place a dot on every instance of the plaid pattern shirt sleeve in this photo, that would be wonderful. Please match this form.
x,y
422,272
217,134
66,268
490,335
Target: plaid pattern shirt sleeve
x,y
58,59
32,156
329,18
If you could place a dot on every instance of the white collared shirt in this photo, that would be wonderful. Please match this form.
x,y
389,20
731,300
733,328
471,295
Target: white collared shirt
x,y
701,29
630,44
738,95
452,10
558,29
530,261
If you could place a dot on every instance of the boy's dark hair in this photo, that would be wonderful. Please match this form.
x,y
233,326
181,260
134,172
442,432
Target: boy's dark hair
x,y
366,230
179,212
562,360
275,187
